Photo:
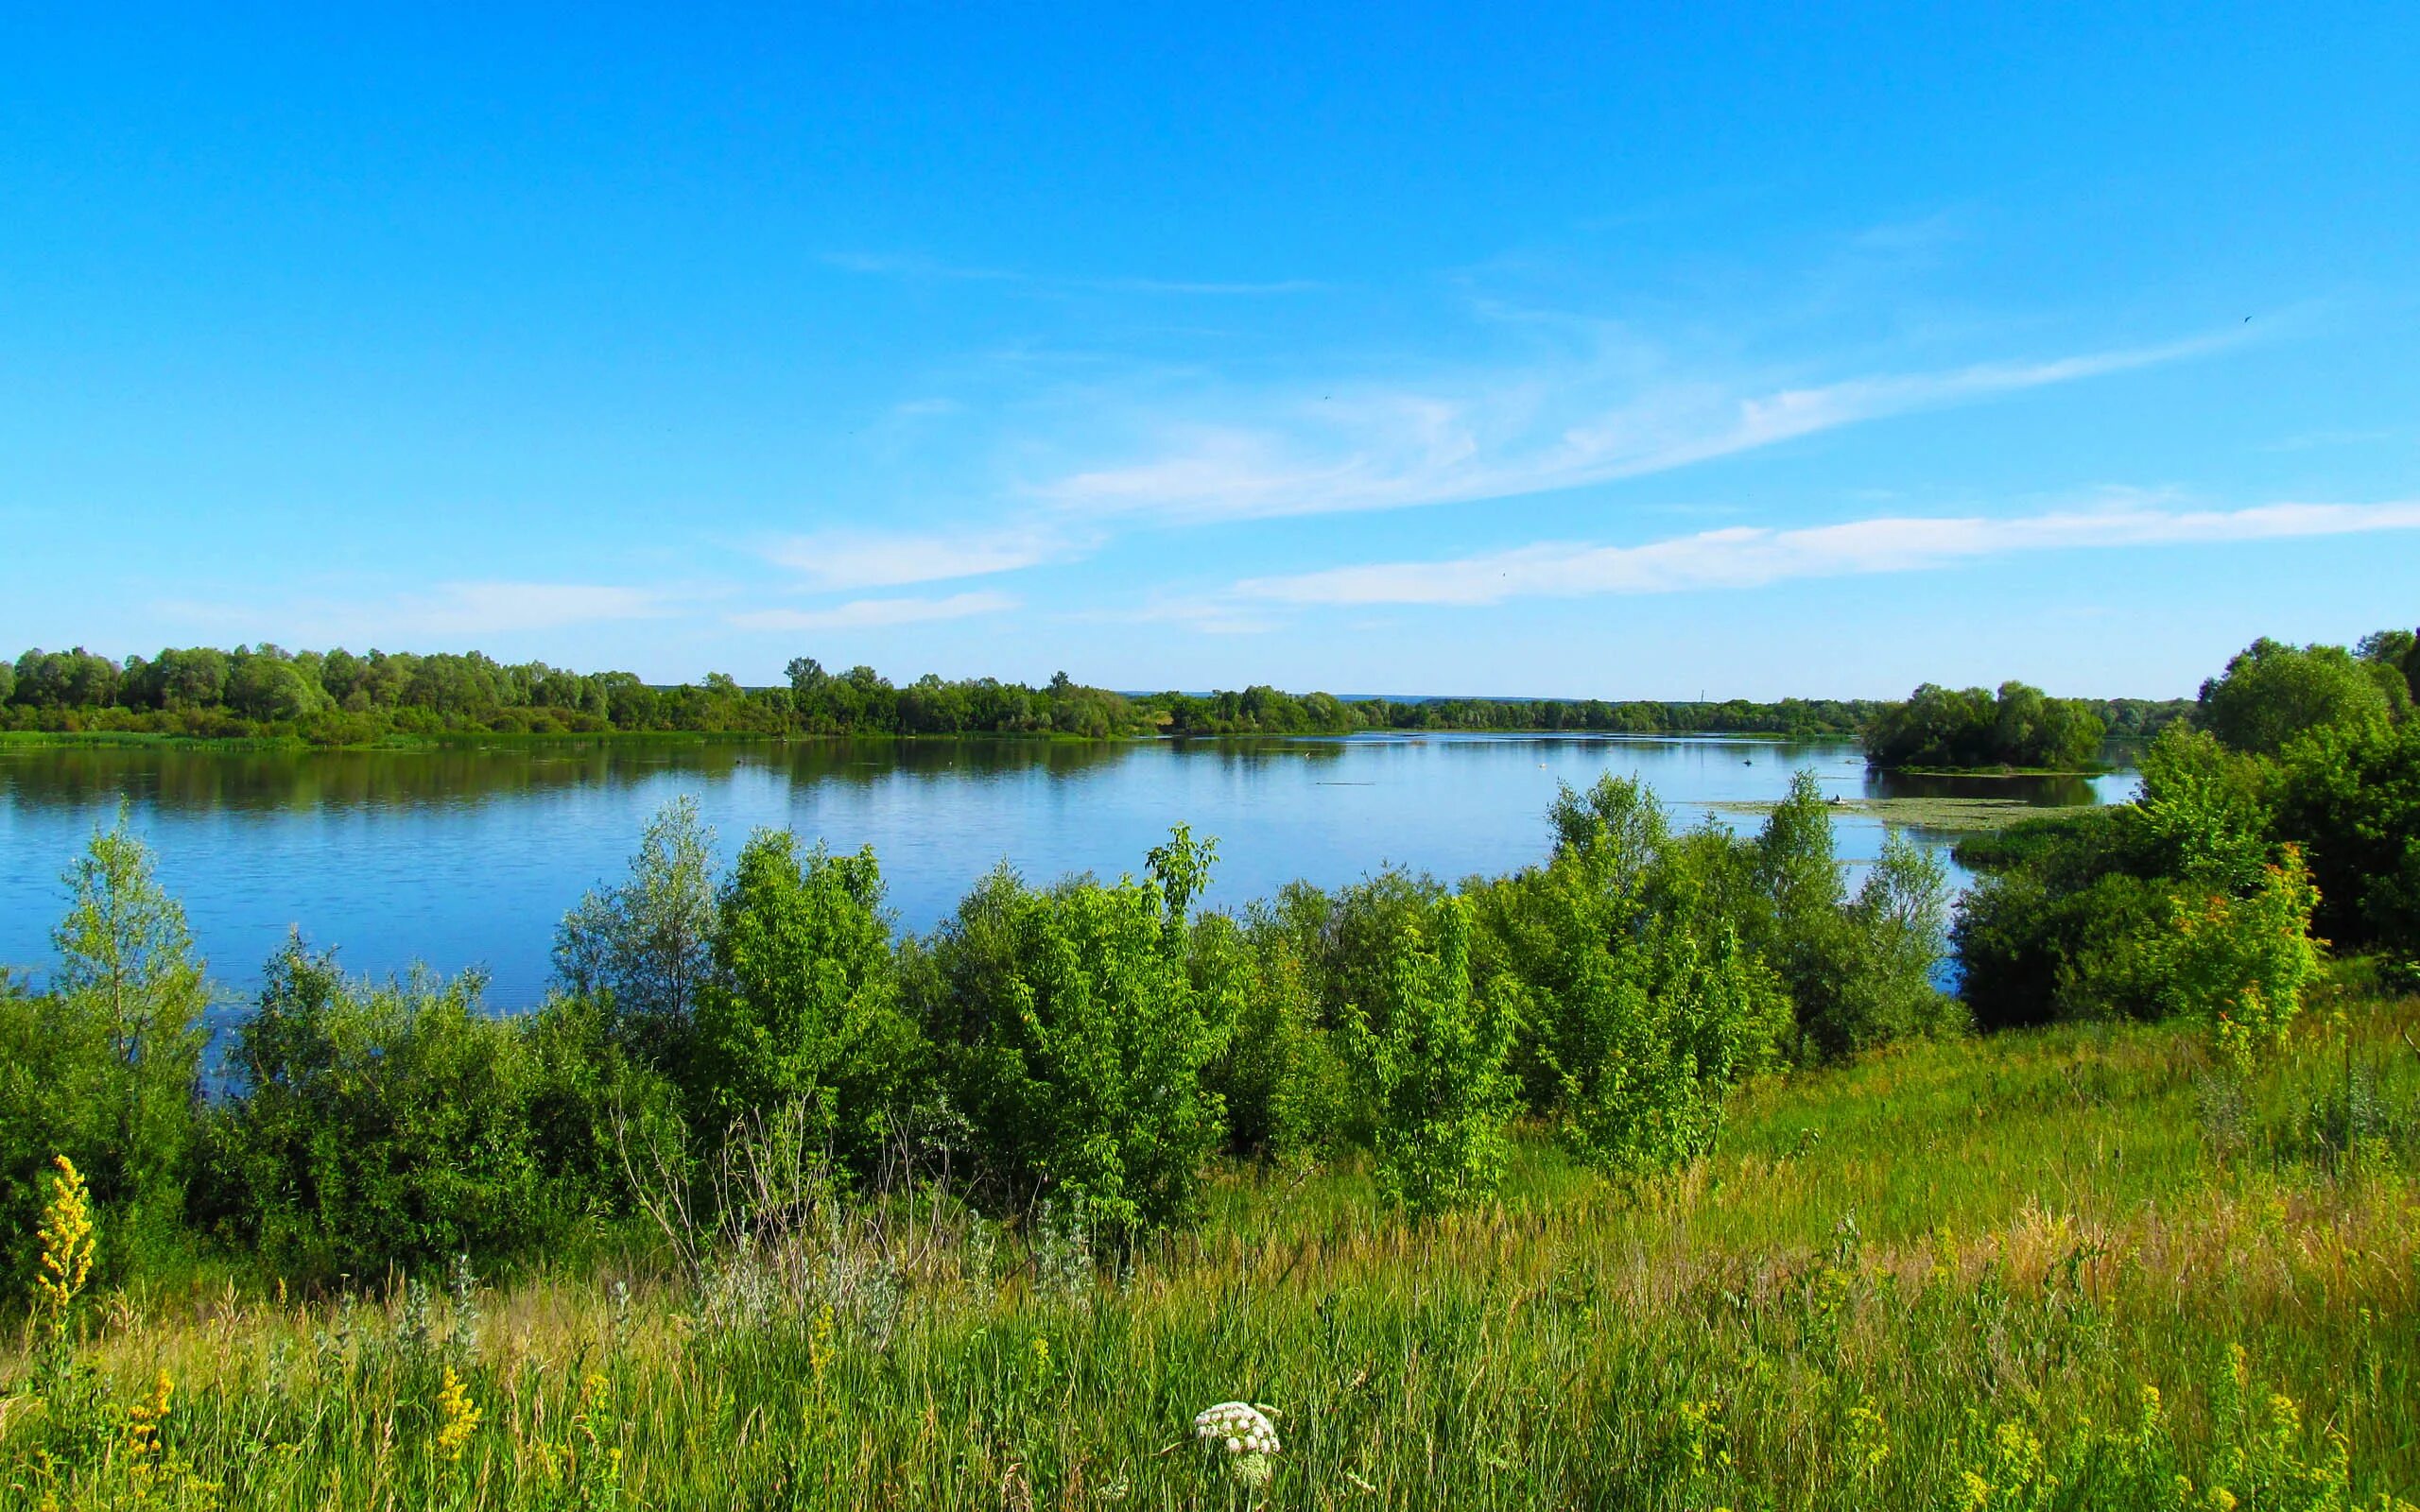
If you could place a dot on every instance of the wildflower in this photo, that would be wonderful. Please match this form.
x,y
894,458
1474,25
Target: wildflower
x,y
145,1420
1977,1491
458,1418
66,1238
1245,1433
1868,1438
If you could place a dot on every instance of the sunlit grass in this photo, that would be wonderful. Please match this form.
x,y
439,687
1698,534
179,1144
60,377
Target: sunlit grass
x,y
1948,1265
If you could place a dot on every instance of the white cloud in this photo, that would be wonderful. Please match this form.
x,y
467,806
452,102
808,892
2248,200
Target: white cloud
x,y
844,560
1748,556
1507,433
875,613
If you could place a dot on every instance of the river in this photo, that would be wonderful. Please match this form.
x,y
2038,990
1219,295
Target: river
x,y
467,855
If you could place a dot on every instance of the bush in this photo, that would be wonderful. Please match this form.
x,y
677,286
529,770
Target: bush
x,y
395,1124
1278,1075
647,944
1429,1057
2240,963
1071,1034
104,1068
1634,1023
802,1001
62,1087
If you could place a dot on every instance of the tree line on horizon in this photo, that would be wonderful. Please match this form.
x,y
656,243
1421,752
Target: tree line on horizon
x,y
339,698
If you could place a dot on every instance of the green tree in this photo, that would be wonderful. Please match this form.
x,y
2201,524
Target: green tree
x,y
648,942
2270,693
128,974
1432,1061
803,1005
2352,797
1074,1036
265,684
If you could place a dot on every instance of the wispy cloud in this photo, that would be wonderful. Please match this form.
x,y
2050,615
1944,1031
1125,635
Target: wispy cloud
x,y
1748,557
1501,433
875,613
844,561
1504,434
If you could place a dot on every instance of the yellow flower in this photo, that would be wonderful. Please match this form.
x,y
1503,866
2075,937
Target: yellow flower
x,y
1977,1491
1868,1438
458,1418
66,1237
144,1419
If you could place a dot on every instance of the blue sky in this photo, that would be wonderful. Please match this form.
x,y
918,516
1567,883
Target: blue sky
x,y
1615,351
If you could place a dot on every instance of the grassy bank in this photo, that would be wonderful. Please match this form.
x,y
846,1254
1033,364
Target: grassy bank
x,y
2061,1268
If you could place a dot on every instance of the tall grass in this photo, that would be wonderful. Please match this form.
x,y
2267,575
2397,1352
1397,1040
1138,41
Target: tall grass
x,y
2074,1268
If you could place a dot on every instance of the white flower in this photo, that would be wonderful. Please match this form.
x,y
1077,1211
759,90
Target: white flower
x,y
1238,1427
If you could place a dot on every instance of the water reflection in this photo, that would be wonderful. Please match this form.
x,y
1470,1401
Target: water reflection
x,y
468,854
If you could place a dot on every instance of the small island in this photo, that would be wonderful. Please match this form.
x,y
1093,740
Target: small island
x,y
2019,731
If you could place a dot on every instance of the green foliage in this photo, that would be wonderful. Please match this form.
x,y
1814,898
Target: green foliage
x,y
1637,1011
2017,726
1430,1058
802,1003
103,1067
394,1124
647,944
2241,963
2352,797
62,1088
1071,1033
2207,809
1285,1093
1859,971
2270,693
1618,823
2032,950
1351,939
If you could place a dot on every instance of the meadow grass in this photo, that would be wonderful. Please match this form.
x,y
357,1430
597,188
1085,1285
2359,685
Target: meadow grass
x,y
2071,1268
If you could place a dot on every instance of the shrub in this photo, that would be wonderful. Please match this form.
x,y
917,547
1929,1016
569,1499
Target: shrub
x,y
1430,1058
104,1067
803,1002
1637,1009
1278,1076
647,944
1073,1036
2240,963
1860,972
395,1123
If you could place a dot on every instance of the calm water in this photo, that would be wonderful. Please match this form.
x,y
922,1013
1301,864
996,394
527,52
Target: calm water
x,y
468,856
